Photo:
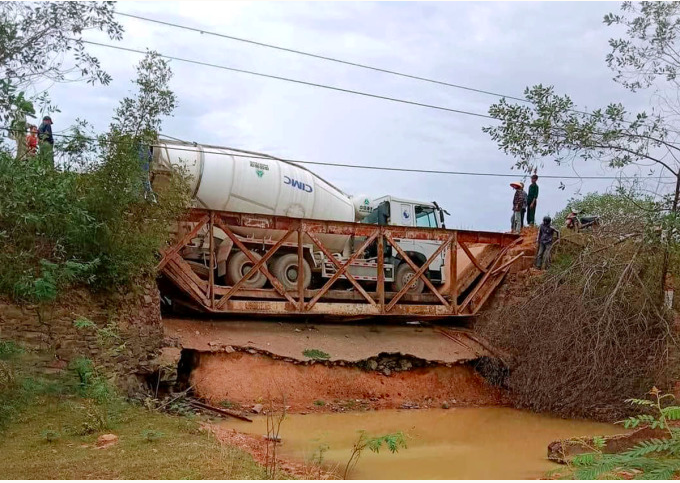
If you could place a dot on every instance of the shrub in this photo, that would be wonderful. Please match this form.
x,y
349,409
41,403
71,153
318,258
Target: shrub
x,y
89,227
593,330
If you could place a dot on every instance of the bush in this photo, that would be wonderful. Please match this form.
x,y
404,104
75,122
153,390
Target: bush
x,y
88,227
593,330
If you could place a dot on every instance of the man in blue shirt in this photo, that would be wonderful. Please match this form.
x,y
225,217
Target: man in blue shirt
x,y
46,140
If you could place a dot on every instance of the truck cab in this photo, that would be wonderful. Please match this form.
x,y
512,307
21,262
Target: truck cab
x,y
402,212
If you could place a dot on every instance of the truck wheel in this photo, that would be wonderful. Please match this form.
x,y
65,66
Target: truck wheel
x,y
402,277
285,268
239,265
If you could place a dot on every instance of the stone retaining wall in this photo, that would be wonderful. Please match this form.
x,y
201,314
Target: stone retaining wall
x,y
123,338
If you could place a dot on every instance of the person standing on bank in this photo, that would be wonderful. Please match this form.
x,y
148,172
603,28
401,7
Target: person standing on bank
x,y
531,201
547,235
46,140
517,206
32,141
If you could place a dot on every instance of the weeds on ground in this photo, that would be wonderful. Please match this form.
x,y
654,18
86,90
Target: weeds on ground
x,y
9,350
275,416
653,459
316,354
57,419
151,435
230,404
49,435
318,458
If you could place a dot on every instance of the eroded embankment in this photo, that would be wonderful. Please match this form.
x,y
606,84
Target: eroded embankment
x,y
333,367
242,379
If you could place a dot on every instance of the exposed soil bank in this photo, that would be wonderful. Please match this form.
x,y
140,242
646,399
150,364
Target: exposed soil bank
x,y
246,379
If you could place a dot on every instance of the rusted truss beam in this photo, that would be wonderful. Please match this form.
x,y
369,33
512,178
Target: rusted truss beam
x,y
279,300
271,222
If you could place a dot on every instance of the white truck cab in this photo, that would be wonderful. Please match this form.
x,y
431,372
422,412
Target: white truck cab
x,y
402,212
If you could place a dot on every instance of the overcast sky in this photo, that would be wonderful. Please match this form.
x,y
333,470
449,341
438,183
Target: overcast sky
x,y
500,47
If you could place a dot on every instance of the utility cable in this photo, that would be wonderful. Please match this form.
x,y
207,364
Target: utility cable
x,y
248,154
336,60
317,56
296,81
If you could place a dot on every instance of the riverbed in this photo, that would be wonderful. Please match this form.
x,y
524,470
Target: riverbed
x,y
457,443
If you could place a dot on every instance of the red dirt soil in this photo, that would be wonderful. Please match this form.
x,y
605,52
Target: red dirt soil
x,y
247,379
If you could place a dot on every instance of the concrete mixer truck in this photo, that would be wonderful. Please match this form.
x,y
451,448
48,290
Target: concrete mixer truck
x,y
245,182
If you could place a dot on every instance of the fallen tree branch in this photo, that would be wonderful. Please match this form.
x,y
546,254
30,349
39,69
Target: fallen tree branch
x,y
224,412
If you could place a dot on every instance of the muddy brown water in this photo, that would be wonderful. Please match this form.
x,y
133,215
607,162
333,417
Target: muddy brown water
x,y
459,443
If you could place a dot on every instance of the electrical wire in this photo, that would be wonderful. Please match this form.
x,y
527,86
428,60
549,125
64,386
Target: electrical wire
x,y
296,81
248,154
317,56
336,60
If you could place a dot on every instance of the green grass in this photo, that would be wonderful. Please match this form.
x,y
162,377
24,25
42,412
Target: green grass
x,y
183,451
49,426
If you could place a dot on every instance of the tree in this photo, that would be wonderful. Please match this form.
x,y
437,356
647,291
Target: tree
x,y
40,41
140,116
549,125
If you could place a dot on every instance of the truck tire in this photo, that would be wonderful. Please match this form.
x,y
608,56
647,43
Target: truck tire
x,y
401,278
239,265
285,268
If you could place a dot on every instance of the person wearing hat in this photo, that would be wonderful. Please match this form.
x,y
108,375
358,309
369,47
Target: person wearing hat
x,y
46,139
518,204
531,200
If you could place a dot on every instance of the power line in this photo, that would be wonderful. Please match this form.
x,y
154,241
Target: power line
x,y
317,56
402,170
246,154
340,61
296,81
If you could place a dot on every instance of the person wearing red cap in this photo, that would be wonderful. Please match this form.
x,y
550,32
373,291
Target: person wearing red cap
x,y
519,203
32,141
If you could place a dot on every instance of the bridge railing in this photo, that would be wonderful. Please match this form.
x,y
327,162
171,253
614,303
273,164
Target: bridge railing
x,y
471,277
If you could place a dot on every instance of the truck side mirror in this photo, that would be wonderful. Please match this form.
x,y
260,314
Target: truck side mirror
x,y
441,218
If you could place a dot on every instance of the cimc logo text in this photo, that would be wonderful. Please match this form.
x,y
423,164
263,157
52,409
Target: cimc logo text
x,y
297,184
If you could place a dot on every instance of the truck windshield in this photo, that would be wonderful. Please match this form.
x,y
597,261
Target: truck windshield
x,y
425,217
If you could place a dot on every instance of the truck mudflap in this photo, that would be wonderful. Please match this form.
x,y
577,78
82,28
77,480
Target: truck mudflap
x,y
476,264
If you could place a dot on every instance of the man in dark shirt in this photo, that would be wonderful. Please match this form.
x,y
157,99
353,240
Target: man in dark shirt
x,y
531,201
547,234
46,139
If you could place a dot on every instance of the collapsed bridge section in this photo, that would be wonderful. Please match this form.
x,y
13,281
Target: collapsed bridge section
x,y
377,277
